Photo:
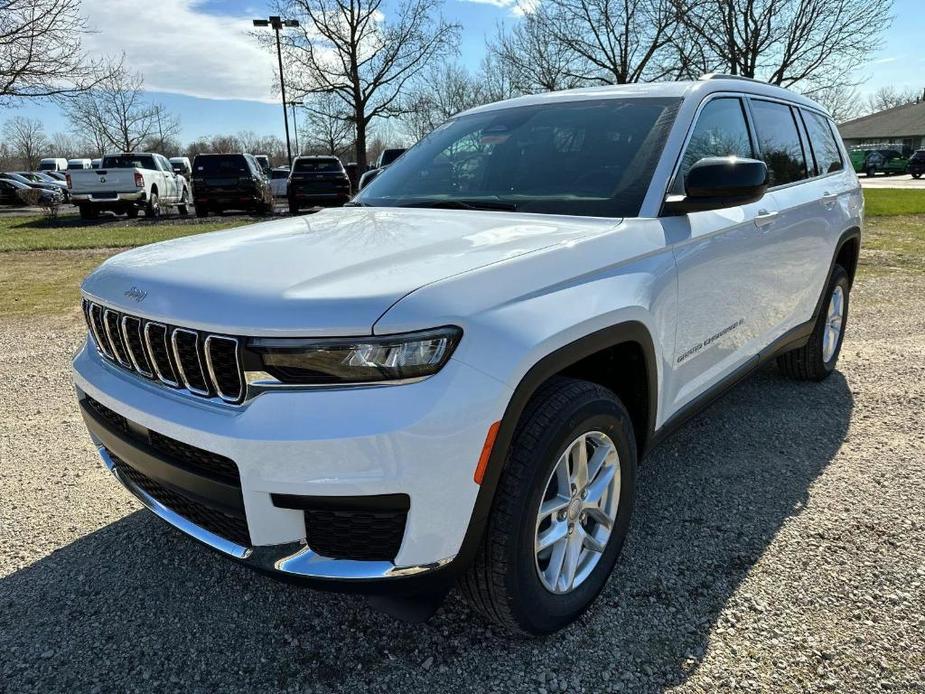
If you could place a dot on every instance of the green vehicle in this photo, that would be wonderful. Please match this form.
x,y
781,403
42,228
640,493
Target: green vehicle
x,y
882,160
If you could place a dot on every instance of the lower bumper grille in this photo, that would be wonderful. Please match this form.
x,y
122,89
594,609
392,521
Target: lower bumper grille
x,y
358,535
230,527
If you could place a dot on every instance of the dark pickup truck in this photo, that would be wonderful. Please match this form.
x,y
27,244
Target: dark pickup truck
x,y
230,182
317,180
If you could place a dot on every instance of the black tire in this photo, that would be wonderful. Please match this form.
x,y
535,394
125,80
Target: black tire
x,y
183,206
871,172
201,211
503,583
807,363
293,207
132,212
153,209
916,175
88,212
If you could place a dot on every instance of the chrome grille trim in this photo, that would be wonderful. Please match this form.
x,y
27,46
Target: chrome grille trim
x,y
115,343
143,370
151,350
163,378
237,357
179,362
96,321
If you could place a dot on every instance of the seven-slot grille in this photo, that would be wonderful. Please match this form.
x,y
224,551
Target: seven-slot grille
x,y
204,364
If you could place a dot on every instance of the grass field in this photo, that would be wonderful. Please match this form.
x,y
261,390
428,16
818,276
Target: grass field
x,y
35,234
41,266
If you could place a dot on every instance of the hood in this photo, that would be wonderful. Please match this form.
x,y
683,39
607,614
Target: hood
x,y
333,273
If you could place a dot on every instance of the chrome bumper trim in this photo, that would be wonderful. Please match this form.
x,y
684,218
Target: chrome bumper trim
x,y
293,559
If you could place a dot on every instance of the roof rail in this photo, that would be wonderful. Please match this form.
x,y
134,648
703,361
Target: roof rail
x,y
722,76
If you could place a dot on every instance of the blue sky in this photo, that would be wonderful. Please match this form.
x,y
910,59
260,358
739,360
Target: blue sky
x,y
199,61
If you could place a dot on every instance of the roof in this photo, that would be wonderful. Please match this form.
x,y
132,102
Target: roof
x,y
907,120
706,85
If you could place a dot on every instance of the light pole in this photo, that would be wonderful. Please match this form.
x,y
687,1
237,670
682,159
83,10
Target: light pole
x,y
277,23
295,125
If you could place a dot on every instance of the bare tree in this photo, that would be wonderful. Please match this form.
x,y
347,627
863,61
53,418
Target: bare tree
x,y
328,127
440,93
811,43
66,146
363,56
569,43
41,53
531,57
116,113
889,97
27,139
497,81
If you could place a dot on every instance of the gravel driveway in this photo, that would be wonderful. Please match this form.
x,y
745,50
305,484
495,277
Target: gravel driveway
x,y
778,545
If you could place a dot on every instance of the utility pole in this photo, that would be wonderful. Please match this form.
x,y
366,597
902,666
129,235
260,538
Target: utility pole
x,y
277,23
295,125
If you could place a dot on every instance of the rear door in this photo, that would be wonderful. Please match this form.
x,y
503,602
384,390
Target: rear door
x,y
722,277
797,249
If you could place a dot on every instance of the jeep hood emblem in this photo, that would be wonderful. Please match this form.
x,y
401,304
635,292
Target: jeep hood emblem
x,y
136,294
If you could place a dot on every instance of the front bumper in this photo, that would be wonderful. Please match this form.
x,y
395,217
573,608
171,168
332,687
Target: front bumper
x,y
422,440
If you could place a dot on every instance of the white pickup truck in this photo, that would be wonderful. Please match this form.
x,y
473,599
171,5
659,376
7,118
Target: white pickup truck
x,y
127,183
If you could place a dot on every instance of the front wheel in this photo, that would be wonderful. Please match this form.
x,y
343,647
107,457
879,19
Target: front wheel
x,y
88,212
816,360
561,510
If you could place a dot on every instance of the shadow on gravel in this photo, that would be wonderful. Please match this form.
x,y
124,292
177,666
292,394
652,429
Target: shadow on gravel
x,y
137,605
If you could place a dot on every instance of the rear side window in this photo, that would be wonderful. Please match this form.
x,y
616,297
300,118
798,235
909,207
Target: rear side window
x,y
222,165
320,165
825,147
721,131
779,142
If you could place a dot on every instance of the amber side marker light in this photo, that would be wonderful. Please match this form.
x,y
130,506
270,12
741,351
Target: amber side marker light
x,y
486,452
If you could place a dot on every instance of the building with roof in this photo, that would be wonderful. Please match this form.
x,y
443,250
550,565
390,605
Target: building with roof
x,y
900,126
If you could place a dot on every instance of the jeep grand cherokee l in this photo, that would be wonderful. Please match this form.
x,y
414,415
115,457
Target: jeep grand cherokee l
x,y
453,379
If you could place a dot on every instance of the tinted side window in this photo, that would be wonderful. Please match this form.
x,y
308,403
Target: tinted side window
x,y
779,141
721,131
821,139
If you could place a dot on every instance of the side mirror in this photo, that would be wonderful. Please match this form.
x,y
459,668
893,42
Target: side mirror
x,y
717,182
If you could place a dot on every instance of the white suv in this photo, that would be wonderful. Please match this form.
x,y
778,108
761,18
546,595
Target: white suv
x,y
452,380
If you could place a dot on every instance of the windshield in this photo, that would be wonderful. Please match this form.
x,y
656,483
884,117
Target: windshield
x,y
221,165
129,161
590,158
317,165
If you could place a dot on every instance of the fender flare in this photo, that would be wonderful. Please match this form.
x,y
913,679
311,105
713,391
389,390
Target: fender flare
x,y
550,365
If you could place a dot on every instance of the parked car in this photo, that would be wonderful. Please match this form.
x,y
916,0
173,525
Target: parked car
x,y
14,193
128,183
386,157
872,161
264,162
230,182
181,166
317,181
77,164
57,175
53,164
917,163
451,381
279,181
27,179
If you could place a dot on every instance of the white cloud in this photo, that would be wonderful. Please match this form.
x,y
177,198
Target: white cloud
x,y
181,49
881,61
518,8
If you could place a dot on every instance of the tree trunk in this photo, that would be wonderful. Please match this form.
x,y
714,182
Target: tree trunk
x,y
361,142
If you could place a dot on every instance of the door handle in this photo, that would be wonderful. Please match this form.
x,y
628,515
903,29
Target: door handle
x,y
829,200
764,218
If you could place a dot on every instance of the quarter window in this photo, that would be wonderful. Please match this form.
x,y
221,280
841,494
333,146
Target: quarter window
x,y
721,131
825,147
779,142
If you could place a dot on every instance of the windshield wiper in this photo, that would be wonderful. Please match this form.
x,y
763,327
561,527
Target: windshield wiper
x,y
499,205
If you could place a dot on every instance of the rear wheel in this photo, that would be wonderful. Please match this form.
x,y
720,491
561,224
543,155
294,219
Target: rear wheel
x,y
183,206
871,171
816,359
88,212
153,210
561,511
201,211
916,175
293,207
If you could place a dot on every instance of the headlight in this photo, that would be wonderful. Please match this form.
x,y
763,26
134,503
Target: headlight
x,y
357,360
